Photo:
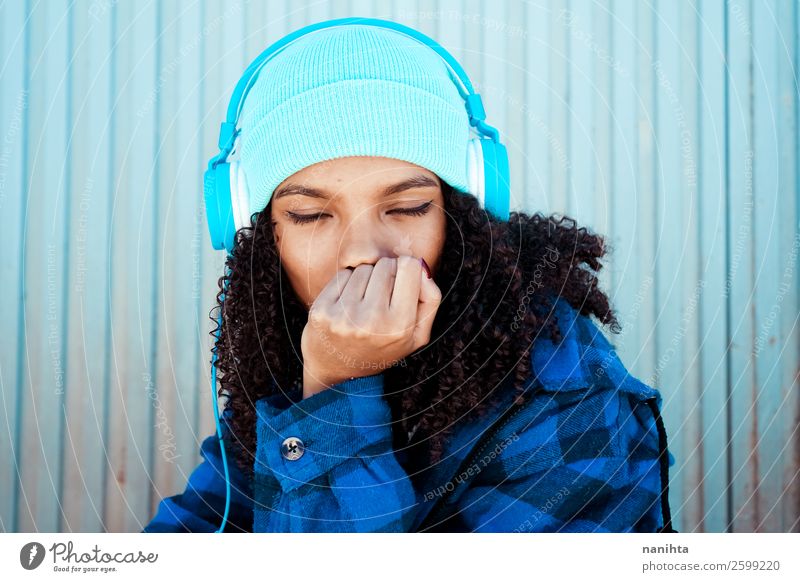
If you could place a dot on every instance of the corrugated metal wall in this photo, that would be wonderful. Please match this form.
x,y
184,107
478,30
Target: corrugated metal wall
x,y
669,126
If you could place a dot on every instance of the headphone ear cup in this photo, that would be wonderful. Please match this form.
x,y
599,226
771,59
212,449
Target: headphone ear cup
x,y
475,169
496,178
503,203
219,213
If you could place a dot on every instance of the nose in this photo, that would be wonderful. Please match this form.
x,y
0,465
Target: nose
x,y
363,241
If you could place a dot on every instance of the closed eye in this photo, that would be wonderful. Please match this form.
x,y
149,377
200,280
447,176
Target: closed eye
x,y
306,218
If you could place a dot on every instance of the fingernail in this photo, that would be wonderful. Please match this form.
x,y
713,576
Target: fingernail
x,y
426,267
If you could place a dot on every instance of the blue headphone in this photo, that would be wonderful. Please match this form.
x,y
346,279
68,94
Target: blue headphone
x,y
225,191
224,186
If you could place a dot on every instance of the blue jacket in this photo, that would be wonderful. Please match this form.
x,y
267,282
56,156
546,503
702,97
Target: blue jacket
x,y
587,453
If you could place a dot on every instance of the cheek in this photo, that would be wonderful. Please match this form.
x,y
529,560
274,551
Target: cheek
x,y
436,241
305,260
430,237
297,256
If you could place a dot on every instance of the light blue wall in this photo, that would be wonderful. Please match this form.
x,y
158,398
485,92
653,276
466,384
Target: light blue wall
x,y
669,126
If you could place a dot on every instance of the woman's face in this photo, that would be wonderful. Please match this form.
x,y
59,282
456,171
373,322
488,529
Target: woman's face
x,y
341,213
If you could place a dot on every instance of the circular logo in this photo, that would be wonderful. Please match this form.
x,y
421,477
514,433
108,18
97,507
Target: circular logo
x,y
31,555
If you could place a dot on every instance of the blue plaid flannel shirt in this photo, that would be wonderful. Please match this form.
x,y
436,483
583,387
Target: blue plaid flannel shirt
x,y
587,453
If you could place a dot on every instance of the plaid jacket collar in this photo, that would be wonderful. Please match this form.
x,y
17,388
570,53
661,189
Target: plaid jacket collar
x,y
582,359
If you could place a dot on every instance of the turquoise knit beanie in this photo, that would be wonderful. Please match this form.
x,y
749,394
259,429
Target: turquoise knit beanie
x,y
354,90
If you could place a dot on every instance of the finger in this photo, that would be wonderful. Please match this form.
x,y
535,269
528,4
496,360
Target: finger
x,y
381,283
405,294
333,289
354,289
430,298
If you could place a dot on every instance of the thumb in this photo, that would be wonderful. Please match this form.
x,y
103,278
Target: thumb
x,y
430,297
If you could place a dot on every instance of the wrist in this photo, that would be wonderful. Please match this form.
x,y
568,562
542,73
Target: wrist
x,y
314,382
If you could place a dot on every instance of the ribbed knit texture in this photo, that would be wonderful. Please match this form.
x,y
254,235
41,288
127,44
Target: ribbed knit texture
x,y
353,90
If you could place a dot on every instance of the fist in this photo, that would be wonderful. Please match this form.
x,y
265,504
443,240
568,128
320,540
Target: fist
x,y
366,319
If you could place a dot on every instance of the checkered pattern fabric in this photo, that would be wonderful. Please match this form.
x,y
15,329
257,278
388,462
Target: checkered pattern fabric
x,y
587,453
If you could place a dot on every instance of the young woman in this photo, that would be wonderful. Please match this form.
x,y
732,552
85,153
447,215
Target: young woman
x,y
394,357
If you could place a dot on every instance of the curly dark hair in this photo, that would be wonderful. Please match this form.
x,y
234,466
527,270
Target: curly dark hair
x,y
499,281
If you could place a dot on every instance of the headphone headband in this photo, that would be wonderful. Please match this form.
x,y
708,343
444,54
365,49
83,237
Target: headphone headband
x,y
227,204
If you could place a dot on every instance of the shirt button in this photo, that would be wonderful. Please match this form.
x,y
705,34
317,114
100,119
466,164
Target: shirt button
x,y
292,448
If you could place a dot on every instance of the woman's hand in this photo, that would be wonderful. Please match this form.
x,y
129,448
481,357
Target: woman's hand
x,y
366,319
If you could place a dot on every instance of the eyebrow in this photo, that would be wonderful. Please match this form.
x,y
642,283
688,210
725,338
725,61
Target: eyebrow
x,y
418,181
